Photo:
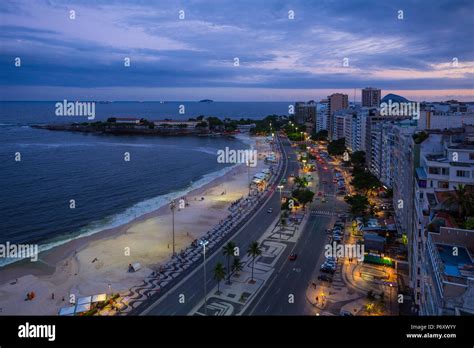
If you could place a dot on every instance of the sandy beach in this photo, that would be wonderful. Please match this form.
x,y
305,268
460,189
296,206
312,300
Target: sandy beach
x,y
99,263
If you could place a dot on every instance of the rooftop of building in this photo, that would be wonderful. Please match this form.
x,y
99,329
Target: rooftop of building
x,y
455,248
462,146
455,264
442,219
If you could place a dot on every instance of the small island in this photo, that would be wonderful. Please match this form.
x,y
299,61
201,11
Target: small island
x,y
200,126
206,101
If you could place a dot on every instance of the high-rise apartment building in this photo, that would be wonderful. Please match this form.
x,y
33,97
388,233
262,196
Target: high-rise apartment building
x,y
371,97
337,101
322,115
305,114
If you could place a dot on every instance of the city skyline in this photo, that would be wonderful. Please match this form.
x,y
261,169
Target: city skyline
x,y
187,51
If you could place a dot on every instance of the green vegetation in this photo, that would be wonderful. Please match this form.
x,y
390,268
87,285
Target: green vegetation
x,y
463,200
219,274
202,124
337,147
228,251
237,266
363,180
469,224
253,251
301,182
322,135
358,203
303,196
420,137
358,159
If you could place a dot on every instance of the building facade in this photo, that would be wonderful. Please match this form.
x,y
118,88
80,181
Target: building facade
x,y
371,97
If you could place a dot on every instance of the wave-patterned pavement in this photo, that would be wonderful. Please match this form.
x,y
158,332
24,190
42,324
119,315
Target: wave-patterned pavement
x,y
180,263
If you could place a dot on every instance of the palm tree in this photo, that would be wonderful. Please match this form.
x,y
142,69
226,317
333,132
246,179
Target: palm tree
x,y
237,266
254,251
301,182
463,199
229,250
219,273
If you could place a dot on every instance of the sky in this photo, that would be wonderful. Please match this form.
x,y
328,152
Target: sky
x,y
189,50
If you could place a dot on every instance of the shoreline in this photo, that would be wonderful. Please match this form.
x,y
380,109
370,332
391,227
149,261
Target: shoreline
x,y
68,268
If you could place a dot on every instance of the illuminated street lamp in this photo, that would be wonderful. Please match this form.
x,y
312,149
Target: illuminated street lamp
x,y
172,207
203,243
391,286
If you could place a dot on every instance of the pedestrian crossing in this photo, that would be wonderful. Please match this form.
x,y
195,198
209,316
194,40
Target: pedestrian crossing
x,y
323,212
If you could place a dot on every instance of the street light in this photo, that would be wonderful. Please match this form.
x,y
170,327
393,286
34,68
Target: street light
x,y
172,207
279,203
248,174
391,286
203,243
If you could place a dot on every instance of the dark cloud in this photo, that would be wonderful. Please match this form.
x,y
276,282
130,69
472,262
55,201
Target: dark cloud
x,y
274,51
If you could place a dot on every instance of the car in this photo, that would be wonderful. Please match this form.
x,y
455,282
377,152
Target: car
x,y
326,269
324,181
325,168
323,200
283,181
320,193
325,278
270,210
292,257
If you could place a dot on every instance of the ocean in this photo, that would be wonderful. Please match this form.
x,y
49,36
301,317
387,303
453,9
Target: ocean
x,y
57,167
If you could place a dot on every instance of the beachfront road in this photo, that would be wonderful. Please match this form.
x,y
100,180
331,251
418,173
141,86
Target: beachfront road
x,y
294,277
192,286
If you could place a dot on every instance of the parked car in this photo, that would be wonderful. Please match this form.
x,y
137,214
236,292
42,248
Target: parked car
x,y
270,210
292,257
327,269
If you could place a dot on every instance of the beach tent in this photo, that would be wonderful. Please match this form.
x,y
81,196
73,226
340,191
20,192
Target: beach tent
x,y
99,298
84,300
67,311
83,308
135,266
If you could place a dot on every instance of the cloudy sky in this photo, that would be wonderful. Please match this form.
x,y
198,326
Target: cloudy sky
x,y
427,55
